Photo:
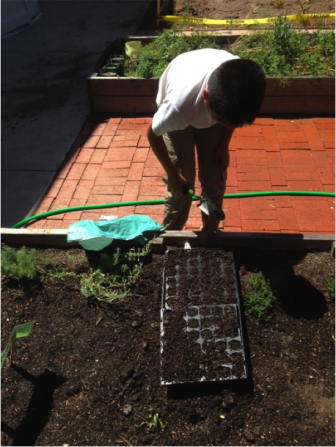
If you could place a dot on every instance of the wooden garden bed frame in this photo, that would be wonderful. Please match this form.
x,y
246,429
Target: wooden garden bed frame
x,y
136,96
58,238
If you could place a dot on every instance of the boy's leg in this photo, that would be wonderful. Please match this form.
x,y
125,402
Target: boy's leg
x,y
212,178
181,149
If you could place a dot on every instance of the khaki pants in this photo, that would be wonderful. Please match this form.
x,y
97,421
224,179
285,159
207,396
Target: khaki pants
x,y
181,149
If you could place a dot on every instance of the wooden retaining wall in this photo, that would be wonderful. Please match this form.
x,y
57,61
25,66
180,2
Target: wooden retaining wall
x,y
283,96
136,96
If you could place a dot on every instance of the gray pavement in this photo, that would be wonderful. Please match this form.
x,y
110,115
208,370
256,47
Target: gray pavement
x,y
44,97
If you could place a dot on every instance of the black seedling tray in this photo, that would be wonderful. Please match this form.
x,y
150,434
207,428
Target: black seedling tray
x,y
201,326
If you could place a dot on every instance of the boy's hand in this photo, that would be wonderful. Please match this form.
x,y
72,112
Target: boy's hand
x,y
175,184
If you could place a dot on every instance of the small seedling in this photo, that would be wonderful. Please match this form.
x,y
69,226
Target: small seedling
x,y
330,283
260,298
155,421
22,330
59,273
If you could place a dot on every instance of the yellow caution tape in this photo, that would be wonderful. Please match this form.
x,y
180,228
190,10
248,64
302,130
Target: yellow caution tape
x,y
292,18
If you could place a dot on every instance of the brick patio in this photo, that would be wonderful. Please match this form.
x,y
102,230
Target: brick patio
x,y
111,161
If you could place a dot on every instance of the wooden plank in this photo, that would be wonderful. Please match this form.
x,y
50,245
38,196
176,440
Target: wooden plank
x,y
124,104
271,104
123,86
157,245
298,104
250,240
149,87
58,238
137,95
52,238
143,87
300,87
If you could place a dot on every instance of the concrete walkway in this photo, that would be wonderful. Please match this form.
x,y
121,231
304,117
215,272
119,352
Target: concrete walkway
x,y
111,161
44,98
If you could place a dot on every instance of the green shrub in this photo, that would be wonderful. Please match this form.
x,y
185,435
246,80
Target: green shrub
x,y
19,265
152,59
259,299
280,51
284,52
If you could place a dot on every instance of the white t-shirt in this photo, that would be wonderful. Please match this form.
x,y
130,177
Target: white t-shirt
x,y
180,96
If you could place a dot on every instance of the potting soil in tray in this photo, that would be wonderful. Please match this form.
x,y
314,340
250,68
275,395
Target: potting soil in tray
x,y
201,328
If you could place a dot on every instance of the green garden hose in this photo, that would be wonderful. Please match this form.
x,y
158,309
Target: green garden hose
x,y
161,202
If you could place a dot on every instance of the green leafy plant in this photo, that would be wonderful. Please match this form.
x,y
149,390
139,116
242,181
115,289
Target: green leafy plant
x,y
260,299
330,283
19,265
331,286
115,275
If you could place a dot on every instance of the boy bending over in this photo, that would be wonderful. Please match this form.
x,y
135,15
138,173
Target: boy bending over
x,y
203,96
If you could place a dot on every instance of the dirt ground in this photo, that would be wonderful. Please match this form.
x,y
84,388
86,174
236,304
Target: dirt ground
x,y
253,9
89,372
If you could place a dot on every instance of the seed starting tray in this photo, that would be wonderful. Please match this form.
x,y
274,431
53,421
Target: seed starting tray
x,y
201,327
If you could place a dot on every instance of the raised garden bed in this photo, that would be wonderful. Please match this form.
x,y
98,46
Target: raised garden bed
x,y
88,372
136,96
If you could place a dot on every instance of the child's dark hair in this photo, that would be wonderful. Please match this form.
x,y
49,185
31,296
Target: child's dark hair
x,y
236,91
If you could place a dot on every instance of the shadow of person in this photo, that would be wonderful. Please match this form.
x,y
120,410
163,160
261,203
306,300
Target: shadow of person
x,y
295,294
39,407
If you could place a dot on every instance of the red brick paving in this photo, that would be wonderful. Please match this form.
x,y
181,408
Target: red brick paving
x,y
111,161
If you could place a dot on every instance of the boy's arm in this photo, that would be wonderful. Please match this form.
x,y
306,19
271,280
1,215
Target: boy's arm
x,y
222,153
175,180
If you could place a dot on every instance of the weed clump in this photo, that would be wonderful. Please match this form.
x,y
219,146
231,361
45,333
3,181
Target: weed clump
x,y
114,276
260,298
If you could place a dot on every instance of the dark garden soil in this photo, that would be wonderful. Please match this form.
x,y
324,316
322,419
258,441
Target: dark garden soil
x,y
253,9
89,372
